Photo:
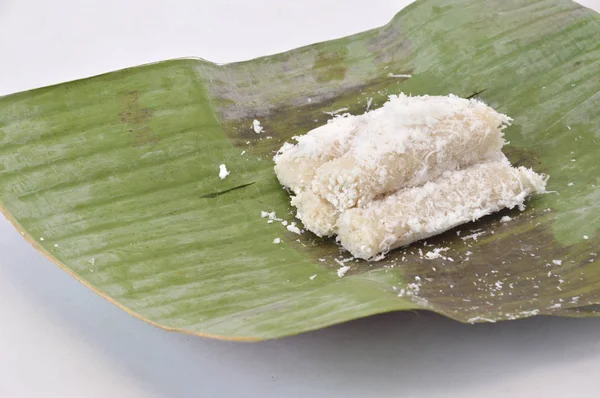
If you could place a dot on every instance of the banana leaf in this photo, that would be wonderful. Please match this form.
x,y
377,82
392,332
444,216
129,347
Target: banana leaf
x,y
115,178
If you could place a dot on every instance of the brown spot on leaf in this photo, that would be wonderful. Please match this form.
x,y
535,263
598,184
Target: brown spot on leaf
x,y
522,157
136,118
330,65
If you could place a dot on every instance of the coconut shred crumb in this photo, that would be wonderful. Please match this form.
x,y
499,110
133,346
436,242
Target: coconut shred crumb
x,y
272,217
223,172
257,127
342,270
557,262
264,214
423,165
378,257
505,219
436,253
293,228
475,236
480,319
277,241
406,76
414,287
335,112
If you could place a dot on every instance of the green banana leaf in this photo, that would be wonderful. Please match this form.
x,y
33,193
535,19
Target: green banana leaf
x,y
116,177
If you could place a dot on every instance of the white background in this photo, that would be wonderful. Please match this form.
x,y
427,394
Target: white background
x,y
58,339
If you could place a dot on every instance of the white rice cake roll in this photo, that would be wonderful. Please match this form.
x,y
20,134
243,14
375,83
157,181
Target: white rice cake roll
x,y
318,215
296,164
457,197
407,142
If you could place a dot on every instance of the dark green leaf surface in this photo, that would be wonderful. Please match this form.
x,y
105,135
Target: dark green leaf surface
x,y
115,177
